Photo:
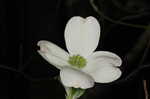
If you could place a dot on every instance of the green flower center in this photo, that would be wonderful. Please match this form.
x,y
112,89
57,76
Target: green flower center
x,y
77,61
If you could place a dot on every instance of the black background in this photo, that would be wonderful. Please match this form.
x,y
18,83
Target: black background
x,y
25,75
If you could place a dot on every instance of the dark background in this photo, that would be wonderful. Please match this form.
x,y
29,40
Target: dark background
x,y
124,30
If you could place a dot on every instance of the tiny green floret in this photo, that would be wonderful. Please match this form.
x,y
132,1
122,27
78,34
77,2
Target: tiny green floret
x,y
77,61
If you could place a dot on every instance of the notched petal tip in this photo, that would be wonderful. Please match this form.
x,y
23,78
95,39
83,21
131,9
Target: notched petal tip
x,y
117,61
107,75
41,43
44,43
42,46
78,32
53,53
91,18
82,18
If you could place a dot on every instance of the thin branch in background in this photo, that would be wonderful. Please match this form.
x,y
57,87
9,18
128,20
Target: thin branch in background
x,y
127,18
7,68
116,21
126,24
147,49
120,6
144,81
142,45
145,89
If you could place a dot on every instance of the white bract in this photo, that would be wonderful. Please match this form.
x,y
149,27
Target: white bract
x,y
82,66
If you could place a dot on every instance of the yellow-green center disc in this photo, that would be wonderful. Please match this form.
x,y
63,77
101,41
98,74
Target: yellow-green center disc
x,y
77,61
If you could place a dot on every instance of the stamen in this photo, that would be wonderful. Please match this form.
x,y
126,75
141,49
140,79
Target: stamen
x,y
77,61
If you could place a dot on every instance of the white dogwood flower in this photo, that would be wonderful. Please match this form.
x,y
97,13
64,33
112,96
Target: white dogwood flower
x,y
82,66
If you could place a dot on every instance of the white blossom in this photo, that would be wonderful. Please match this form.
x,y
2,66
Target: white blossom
x,y
82,66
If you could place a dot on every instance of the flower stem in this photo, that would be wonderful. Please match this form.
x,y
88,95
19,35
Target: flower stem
x,y
69,95
73,93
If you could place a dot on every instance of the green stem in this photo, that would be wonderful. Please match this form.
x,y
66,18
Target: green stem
x,y
73,93
69,95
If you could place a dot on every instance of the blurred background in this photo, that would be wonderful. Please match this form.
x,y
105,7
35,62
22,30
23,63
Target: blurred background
x,y
125,30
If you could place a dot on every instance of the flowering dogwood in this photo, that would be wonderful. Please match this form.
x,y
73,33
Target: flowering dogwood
x,y
82,66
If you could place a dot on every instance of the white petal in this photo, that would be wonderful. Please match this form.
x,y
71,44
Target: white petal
x,y
53,54
99,59
74,78
82,35
102,72
103,66
106,74
105,56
